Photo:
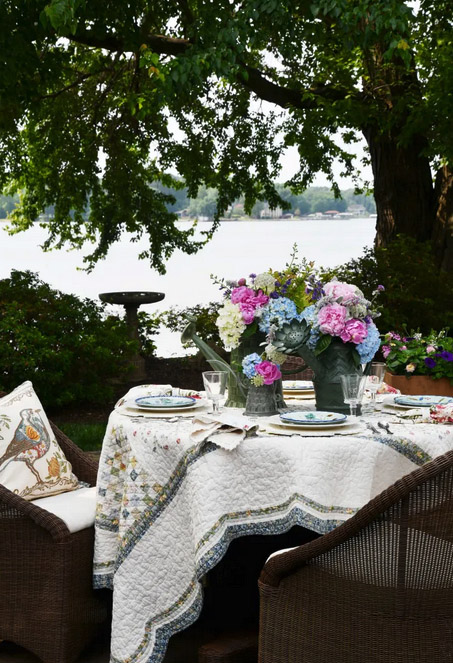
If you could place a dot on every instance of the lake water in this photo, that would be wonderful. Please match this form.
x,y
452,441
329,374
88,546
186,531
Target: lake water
x,y
237,249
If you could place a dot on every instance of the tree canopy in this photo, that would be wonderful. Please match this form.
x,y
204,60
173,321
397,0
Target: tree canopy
x,y
99,101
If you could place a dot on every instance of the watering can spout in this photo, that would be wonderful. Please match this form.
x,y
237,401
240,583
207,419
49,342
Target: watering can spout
x,y
213,359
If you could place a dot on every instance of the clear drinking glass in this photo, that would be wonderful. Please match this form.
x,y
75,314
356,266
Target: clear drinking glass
x,y
353,386
374,380
215,383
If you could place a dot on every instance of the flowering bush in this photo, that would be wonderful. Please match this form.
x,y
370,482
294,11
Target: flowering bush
x,y
419,355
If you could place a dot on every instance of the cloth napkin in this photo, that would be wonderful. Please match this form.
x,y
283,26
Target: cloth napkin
x,y
437,414
225,429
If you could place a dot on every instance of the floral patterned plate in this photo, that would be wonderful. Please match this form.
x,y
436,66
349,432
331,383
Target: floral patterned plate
x,y
422,401
164,402
297,385
318,418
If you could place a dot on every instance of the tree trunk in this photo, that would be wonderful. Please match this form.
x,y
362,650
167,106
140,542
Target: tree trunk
x,y
403,189
442,234
407,201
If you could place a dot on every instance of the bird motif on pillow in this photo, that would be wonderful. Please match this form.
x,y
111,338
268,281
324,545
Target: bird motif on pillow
x,y
31,441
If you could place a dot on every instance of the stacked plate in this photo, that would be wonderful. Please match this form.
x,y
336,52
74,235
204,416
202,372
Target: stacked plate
x,y
406,401
298,389
162,406
311,424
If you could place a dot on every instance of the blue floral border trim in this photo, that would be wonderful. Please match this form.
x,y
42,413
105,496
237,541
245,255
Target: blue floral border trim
x,y
232,531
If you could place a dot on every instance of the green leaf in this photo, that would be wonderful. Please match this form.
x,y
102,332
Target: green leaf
x,y
322,344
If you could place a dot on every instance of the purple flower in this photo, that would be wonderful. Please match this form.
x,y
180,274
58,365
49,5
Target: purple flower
x,y
274,295
448,356
430,362
381,288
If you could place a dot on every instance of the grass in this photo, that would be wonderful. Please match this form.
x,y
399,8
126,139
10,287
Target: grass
x,y
87,436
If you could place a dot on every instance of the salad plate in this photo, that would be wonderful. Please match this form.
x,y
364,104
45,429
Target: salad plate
x,y
164,402
422,400
297,385
317,418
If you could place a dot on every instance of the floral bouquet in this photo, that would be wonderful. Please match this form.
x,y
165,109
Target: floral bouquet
x,y
266,303
340,310
416,354
255,307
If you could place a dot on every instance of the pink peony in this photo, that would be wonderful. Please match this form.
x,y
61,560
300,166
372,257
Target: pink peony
x,y
241,294
338,289
332,319
355,331
269,371
248,312
260,299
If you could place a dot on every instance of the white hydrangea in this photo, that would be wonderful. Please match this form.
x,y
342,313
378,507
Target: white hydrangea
x,y
274,355
264,282
230,325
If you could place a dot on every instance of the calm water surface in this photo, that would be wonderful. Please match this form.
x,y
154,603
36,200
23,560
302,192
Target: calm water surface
x,y
237,249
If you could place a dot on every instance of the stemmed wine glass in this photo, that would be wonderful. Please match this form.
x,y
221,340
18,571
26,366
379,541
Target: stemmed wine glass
x,y
215,383
353,386
374,380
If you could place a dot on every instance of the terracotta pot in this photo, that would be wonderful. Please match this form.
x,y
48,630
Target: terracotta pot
x,y
419,384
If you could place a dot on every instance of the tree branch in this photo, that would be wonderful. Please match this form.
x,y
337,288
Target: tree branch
x,y
254,81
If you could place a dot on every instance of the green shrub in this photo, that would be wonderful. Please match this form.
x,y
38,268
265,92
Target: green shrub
x,y
416,296
64,345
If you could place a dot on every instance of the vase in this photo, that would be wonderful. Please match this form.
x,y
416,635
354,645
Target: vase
x,y
238,385
261,401
419,384
328,366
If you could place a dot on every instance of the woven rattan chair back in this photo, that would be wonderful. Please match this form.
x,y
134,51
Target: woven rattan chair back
x,y
378,589
47,602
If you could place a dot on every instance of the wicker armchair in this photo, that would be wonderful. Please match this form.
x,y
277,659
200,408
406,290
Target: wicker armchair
x,y
378,589
47,604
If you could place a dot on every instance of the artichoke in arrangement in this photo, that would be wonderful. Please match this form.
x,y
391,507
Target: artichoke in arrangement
x,y
291,336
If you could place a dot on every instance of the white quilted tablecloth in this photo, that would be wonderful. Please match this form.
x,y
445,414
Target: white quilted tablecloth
x,y
167,508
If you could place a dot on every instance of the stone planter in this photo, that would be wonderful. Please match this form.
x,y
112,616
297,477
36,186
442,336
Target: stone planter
x,y
419,384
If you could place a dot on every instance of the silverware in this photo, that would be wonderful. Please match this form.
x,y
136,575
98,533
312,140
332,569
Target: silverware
x,y
385,427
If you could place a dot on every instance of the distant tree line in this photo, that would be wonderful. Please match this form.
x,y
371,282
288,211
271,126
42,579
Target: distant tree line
x,y
313,200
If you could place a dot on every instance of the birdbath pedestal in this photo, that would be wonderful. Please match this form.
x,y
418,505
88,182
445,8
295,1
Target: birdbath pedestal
x,y
131,302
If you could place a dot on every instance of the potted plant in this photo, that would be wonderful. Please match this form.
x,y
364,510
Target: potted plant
x,y
418,364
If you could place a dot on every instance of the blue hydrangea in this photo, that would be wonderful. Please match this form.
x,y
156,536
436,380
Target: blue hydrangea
x,y
368,348
310,314
278,311
249,364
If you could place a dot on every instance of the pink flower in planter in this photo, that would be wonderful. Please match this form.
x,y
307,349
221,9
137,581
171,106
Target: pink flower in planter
x,y
332,319
354,330
241,294
386,349
338,289
269,371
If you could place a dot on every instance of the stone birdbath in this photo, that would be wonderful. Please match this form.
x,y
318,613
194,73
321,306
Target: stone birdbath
x,y
131,302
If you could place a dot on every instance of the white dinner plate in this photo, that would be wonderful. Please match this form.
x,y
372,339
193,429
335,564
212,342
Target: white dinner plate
x,y
274,426
277,421
131,408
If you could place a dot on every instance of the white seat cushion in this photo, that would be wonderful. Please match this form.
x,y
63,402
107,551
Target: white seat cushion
x,y
76,508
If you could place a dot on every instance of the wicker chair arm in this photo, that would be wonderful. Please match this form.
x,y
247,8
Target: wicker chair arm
x,y
12,504
283,565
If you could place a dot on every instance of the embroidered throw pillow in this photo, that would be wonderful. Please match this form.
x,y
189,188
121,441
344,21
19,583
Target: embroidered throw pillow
x,y
32,463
